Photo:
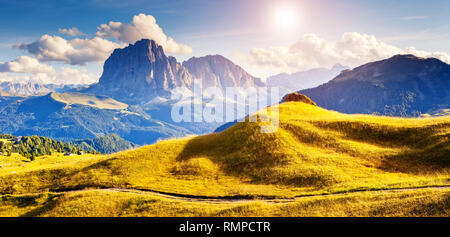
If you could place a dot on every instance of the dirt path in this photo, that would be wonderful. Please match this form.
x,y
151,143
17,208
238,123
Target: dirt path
x,y
239,198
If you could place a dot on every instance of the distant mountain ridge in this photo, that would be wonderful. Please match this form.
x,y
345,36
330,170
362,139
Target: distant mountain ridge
x,y
403,85
32,88
304,79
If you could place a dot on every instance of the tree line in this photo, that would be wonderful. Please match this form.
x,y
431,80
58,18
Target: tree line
x,y
33,146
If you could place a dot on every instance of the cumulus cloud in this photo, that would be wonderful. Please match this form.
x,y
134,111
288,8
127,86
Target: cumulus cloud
x,y
64,76
76,76
143,26
25,64
75,52
72,31
311,51
424,54
26,68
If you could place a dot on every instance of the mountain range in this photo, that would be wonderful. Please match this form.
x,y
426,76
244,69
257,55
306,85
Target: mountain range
x,y
131,99
304,79
8,88
141,72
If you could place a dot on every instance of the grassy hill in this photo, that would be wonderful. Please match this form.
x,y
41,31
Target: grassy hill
x,y
314,152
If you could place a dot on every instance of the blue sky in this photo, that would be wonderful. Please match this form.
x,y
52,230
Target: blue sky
x,y
237,28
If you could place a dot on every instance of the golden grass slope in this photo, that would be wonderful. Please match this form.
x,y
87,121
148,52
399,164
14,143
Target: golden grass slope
x,y
101,102
314,151
105,203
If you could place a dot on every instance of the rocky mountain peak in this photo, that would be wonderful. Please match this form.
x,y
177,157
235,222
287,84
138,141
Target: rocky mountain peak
x,y
139,72
218,71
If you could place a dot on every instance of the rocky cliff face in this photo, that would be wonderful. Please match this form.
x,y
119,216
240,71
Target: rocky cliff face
x,y
218,71
139,73
403,85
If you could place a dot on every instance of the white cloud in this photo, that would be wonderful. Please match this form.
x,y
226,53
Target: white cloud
x,y
72,31
76,76
15,78
75,52
311,51
64,75
424,54
143,26
80,51
25,64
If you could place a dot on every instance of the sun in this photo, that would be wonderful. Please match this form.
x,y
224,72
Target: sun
x,y
285,17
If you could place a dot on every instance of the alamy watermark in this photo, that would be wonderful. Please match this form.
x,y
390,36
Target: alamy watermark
x,y
214,104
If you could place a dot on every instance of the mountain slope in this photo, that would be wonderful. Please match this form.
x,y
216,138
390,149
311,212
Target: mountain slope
x,y
403,85
218,71
107,144
314,151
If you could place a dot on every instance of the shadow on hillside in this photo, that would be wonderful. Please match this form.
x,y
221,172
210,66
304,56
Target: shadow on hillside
x,y
253,158
211,147
49,204
426,149
384,135
428,160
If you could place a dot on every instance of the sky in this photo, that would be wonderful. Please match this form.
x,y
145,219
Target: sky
x,y
67,41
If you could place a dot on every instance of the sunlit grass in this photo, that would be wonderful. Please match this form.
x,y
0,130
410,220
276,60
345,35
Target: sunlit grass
x,y
88,100
108,203
314,151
